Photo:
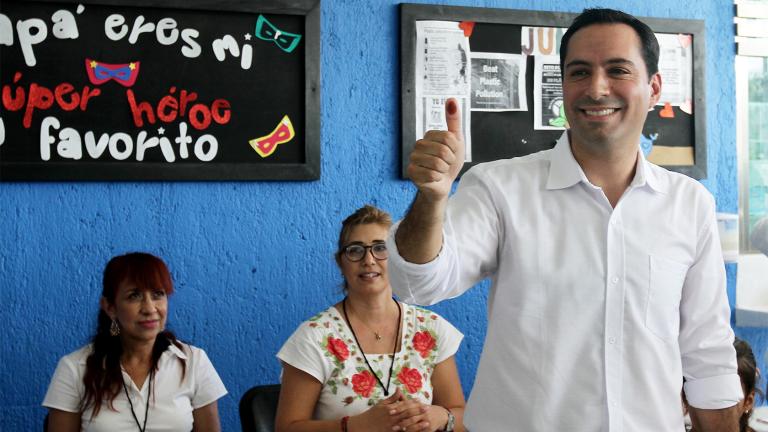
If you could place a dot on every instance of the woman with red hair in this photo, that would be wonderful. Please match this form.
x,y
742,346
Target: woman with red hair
x,y
134,374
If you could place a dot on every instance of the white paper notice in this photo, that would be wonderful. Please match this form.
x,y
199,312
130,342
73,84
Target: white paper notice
x,y
548,109
442,59
498,82
676,69
442,71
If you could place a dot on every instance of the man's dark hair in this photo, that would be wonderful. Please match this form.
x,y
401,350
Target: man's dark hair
x,y
649,46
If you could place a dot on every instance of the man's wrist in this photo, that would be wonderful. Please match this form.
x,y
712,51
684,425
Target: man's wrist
x,y
433,199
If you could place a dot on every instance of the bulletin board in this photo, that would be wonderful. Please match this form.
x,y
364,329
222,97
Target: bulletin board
x,y
674,135
116,90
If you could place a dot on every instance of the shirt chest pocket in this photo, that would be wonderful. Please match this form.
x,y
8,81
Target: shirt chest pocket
x,y
662,314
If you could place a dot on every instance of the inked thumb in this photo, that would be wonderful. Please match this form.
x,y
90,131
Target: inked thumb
x,y
453,117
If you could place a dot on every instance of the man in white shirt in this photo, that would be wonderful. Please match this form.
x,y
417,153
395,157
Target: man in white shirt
x,y
608,284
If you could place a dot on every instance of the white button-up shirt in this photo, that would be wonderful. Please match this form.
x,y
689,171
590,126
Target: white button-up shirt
x,y
595,313
171,403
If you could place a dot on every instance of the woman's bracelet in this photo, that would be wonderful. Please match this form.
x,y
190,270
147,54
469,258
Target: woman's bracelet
x,y
451,423
344,421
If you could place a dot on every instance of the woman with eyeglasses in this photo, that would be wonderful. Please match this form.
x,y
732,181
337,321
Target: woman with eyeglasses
x,y
135,374
369,362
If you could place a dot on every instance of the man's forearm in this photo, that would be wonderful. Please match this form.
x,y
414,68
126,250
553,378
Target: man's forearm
x,y
420,235
715,420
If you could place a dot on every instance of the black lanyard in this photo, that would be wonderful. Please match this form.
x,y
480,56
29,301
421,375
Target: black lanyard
x,y
394,348
146,408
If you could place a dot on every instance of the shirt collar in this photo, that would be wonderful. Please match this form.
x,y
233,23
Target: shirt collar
x,y
171,350
646,174
565,171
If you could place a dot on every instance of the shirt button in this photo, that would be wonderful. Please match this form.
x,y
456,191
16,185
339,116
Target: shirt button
x,y
612,340
615,279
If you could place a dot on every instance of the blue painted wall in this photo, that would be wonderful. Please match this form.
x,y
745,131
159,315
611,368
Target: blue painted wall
x,y
251,260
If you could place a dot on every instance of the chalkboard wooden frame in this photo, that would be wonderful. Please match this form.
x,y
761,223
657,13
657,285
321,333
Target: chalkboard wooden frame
x,y
410,13
308,169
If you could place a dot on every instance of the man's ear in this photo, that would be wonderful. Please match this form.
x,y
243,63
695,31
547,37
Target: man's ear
x,y
655,88
108,309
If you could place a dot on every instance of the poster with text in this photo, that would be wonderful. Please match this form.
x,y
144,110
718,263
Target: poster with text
x,y
548,109
498,82
541,41
676,70
442,71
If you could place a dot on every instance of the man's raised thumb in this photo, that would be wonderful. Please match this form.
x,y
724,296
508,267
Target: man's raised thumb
x,y
453,117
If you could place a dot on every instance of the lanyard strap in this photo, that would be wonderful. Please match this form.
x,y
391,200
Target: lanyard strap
x,y
394,348
146,408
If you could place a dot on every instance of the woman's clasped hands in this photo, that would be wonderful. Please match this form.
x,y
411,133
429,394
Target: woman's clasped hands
x,y
398,413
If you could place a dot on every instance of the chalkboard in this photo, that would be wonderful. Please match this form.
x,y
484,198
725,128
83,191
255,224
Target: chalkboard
x,y
674,136
159,90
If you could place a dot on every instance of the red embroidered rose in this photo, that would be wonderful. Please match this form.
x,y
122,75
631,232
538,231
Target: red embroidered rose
x,y
410,378
423,342
338,348
363,383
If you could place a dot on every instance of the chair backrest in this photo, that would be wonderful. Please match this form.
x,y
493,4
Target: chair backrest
x,y
258,407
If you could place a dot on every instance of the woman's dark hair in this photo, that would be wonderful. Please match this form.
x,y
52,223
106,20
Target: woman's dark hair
x,y
649,45
748,373
103,377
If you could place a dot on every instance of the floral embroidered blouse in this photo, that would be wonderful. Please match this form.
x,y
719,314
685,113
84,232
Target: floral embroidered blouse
x,y
323,347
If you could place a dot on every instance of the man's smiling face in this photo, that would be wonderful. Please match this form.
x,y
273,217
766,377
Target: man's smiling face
x,y
606,88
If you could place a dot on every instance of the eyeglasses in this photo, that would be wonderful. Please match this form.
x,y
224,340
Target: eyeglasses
x,y
356,252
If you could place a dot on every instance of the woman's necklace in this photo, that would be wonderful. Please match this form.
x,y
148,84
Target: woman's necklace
x,y
376,334
394,348
146,408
